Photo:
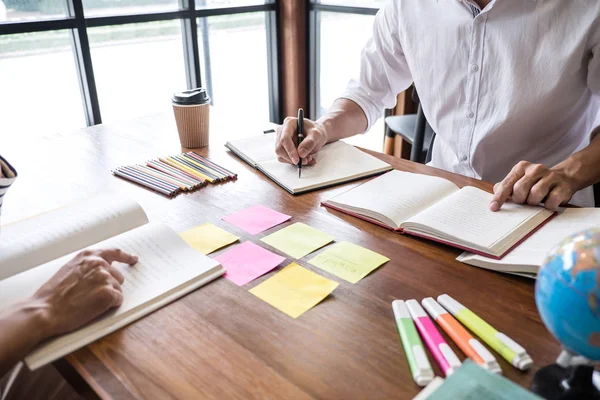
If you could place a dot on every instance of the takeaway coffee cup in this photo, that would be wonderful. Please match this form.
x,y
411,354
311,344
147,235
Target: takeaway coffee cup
x,y
191,108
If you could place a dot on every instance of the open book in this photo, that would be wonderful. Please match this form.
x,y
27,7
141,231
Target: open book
x,y
437,209
527,257
337,163
167,269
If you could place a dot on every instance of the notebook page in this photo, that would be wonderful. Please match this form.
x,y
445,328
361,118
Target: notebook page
x,y
397,195
466,215
165,262
256,149
336,162
39,239
535,248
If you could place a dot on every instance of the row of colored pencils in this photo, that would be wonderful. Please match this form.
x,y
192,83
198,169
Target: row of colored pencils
x,y
176,174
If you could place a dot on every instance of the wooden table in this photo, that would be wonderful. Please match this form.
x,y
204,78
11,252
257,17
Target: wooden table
x,y
222,342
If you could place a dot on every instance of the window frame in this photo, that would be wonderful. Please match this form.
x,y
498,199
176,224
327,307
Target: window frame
x,y
315,9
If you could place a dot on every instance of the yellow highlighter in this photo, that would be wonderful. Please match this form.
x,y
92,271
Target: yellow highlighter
x,y
502,344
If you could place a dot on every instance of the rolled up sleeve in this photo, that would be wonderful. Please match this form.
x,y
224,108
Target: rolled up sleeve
x,y
9,174
384,72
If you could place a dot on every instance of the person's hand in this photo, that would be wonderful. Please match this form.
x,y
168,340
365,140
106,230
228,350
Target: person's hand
x,y
83,289
285,146
534,184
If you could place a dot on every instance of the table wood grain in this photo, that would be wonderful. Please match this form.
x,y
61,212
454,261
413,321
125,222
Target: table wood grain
x,y
221,342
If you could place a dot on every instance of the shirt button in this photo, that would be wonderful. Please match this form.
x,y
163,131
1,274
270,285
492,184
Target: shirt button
x,y
474,68
469,114
463,157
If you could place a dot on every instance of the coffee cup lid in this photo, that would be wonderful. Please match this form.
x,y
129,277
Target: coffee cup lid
x,y
194,96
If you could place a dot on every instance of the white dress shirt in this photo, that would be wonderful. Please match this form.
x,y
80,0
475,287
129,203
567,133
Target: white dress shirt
x,y
518,80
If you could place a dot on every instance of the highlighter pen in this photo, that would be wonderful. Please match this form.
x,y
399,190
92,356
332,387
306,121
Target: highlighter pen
x,y
505,346
443,354
300,137
413,347
467,343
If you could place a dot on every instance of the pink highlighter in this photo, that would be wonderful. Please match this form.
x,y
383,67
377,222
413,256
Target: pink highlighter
x,y
441,351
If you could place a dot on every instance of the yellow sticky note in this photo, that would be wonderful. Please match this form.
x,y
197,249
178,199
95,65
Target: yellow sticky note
x,y
294,290
208,238
298,240
348,261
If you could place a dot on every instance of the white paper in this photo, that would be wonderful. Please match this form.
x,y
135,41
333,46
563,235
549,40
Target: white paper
x,y
396,195
336,162
45,237
165,263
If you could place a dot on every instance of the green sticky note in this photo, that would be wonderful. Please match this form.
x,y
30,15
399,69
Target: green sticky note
x,y
298,240
349,261
471,381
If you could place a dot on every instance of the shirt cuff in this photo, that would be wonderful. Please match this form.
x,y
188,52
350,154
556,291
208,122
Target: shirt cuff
x,y
372,112
9,175
595,132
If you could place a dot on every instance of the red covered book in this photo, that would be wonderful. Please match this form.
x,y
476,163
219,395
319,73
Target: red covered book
x,y
437,209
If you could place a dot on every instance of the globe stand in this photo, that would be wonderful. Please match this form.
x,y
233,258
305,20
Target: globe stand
x,y
569,379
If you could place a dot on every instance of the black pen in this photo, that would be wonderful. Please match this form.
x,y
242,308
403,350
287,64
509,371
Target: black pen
x,y
300,138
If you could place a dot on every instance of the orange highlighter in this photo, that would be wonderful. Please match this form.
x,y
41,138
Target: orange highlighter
x,y
467,343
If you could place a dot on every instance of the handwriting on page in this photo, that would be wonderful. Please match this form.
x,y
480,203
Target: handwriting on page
x,y
466,214
398,195
348,261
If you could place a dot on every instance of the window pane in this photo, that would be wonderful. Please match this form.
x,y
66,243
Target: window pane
x,y
39,88
234,65
342,39
200,4
137,67
19,10
354,3
115,7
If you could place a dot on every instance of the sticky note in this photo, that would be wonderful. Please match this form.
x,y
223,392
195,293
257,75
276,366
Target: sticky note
x,y
348,261
207,238
298,240
246,262
294,290
256,219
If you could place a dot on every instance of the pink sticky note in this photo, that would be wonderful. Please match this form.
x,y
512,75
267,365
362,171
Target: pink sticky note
x,y
246,262
256,219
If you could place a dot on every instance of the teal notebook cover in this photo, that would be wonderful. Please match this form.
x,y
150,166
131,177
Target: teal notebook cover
x,y
471,382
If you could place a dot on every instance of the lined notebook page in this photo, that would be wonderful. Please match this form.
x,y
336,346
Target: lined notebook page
x,y
165,263
336,162
396,195
534,249
34,241
466,215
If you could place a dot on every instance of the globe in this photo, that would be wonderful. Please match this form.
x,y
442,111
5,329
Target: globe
x,y
567,293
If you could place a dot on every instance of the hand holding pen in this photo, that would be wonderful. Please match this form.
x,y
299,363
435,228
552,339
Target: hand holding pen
x,y
287,149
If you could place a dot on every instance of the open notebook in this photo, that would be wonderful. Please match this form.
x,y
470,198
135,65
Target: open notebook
x,y
337,163
31,251
437,209
527,257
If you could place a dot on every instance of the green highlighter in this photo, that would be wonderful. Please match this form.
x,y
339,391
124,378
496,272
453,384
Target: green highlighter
x,y
502,344
413,347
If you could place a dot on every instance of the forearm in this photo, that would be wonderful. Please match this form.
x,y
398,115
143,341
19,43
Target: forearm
x,y
344,119
22,327
583,167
